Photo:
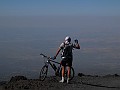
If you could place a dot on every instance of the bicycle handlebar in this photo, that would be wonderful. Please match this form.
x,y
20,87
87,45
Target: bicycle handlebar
x,y
43,55
49,58
46,56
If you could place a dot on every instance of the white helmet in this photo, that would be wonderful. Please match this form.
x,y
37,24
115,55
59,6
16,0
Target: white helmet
x,y
68,39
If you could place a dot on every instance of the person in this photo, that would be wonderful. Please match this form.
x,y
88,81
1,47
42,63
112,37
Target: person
x,y
67,57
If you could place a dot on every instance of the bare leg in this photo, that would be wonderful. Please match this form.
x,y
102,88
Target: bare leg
x,y
63,71
68,72
68,77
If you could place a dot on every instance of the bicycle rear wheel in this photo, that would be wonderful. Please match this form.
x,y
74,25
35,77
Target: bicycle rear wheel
x,y
43,73
72,73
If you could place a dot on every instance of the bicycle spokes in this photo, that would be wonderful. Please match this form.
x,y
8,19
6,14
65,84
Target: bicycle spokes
x,y
43,72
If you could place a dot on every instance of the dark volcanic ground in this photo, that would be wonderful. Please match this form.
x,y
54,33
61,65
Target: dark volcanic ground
x,y
108,82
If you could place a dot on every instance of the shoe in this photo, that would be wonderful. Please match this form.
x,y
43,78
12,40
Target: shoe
x,y
68,80
62,81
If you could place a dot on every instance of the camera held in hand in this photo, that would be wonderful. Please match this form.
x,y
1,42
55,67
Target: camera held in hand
x,y
76,41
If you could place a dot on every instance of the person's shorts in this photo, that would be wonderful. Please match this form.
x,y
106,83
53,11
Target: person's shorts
x,y
66,62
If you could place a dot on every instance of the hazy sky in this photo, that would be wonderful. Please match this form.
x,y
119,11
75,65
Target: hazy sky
x,y
59,7
59,13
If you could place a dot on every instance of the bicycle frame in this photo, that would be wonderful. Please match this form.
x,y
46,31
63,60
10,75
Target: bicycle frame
x,y
49,60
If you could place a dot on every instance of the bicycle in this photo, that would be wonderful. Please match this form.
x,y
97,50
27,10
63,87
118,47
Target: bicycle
x,y
57,70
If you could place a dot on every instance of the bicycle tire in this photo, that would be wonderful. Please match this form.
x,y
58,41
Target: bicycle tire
x,y
43,73
72,73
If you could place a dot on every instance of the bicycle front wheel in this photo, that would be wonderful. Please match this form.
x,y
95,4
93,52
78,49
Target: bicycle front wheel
x,y
43,73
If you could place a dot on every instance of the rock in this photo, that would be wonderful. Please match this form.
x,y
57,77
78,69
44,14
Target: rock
x,y
17,78
81,74
116,75
3,83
